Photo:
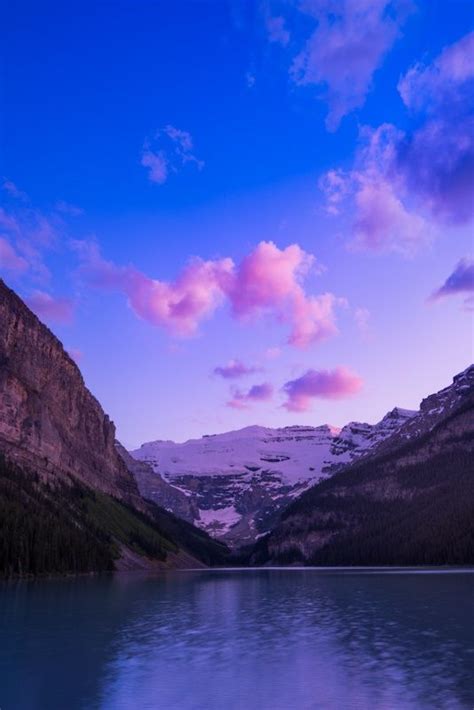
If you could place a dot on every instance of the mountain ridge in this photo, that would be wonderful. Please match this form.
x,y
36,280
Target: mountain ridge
x,y
237,482
408,501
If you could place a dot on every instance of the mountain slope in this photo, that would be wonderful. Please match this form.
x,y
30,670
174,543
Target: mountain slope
x,y
409,501
48,418
67,499
236,483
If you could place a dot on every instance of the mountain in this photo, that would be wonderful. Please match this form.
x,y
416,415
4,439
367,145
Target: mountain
x,y
409,500
234,485
68,502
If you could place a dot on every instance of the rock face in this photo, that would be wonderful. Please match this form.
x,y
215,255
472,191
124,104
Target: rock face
x,y
49,421
409,500
237,483
55,436
153,487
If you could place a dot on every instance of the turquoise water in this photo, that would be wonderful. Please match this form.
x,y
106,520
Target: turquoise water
x,y
276,639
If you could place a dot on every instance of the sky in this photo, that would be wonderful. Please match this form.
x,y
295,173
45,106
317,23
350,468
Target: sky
x,y
237,212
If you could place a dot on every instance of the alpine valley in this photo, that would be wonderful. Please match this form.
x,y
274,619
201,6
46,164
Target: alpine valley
x,y
72,499
241,485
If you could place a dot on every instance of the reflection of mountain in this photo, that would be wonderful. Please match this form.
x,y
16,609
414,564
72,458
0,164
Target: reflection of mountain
x,y
408,501
206,640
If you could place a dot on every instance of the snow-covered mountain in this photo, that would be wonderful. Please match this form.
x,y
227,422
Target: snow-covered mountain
x,y
236,483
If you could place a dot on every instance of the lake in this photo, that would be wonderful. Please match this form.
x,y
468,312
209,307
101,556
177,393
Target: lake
x,y
266,639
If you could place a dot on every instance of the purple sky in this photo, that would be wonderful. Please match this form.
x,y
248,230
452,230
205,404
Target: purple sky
x,y
260,215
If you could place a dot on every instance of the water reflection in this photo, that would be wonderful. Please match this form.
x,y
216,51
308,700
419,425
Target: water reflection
x,y
275,639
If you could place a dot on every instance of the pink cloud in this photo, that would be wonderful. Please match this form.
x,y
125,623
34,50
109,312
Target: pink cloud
x,y
313,319
47,307
324,384
266,276
167,152
178,306
268,281
257,393
10,260
349,43
234,370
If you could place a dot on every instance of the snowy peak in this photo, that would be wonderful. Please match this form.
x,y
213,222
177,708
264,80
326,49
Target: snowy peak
x,y
235,484
463,384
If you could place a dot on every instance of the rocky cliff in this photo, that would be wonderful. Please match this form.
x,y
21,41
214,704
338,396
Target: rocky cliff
x,y
49,420
68,502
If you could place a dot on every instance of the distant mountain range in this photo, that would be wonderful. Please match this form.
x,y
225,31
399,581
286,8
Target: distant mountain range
x,y
234,485
237,485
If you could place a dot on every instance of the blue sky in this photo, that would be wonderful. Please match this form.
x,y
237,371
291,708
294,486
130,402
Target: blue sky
x,y
86,87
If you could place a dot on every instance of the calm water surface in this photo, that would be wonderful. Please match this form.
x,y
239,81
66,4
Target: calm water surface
x,y
248,639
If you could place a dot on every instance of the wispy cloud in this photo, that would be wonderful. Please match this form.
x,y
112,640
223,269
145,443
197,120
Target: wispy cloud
x,y
362,321
257,393
460,281
276,29
178,306
405,184
10,260
235,369
323,384
28,232
382,218
68,209
348,43
437,159
11,188
167,152
50,308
